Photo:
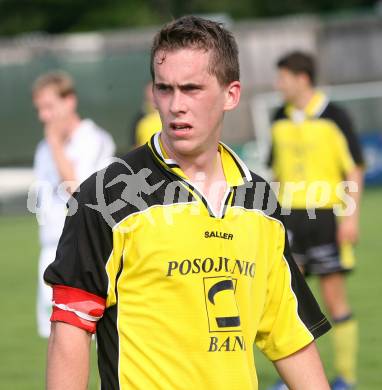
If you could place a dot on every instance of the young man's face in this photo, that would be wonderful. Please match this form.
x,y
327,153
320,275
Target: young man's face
x,y
52,108
290,84
190,100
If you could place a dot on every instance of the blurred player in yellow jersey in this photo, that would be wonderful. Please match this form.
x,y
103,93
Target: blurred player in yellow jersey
x,y
314,149
149,123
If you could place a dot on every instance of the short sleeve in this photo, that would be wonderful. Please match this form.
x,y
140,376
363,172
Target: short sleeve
x,y
351,150
345,124
94,150
345,158
78,274
291,318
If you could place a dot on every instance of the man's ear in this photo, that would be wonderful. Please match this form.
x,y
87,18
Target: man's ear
x,y
233,91
305,79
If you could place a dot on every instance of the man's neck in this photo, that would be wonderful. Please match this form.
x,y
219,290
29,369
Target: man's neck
x,y
207,165
206,161
206,172
208,176
303,98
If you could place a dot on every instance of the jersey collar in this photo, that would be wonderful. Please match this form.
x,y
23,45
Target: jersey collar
x,y
313,109
235,171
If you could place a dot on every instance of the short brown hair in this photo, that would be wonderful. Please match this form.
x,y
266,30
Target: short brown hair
x,y
199,33
61,81
299,62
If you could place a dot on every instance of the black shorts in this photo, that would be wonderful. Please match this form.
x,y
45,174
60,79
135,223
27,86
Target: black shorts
x,y
314,245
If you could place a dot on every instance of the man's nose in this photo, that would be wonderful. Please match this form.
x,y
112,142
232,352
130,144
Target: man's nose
x,y
177,103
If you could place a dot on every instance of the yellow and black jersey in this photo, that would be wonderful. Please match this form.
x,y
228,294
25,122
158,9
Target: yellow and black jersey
x,y
176,294
312,151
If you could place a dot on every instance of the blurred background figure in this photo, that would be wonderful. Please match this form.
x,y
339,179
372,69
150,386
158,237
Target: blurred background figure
x,y
72,149
147,121
314,148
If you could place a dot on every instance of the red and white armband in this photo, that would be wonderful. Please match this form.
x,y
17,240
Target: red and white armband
x,y
77,307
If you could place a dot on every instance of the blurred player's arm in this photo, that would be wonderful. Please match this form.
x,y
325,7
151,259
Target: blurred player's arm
x,y
348,229
303,370
64,165
68,358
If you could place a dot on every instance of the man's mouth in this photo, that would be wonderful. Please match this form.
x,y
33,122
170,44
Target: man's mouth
x,y
180,126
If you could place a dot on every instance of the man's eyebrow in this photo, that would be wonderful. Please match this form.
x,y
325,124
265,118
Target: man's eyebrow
x,y
161,84
184,87
190,86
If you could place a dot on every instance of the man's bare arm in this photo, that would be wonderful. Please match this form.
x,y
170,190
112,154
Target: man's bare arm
x,y
303,370
68,358
348,229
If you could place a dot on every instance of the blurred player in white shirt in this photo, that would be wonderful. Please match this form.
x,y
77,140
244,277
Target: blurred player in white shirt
x,y
72,149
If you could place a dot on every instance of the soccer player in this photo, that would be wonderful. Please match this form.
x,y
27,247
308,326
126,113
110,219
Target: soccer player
x,y
177,257
72,149
148,123
314,149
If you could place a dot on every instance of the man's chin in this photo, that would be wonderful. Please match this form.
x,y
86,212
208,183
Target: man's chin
x,y
187,148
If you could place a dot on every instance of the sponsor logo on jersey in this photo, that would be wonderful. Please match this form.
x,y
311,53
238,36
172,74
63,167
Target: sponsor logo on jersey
x,y
216,234
209,264
221,277
227,344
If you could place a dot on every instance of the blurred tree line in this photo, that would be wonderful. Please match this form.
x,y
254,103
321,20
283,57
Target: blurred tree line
x,y
57,16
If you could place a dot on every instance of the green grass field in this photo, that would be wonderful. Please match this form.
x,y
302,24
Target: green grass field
x,y
23,354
